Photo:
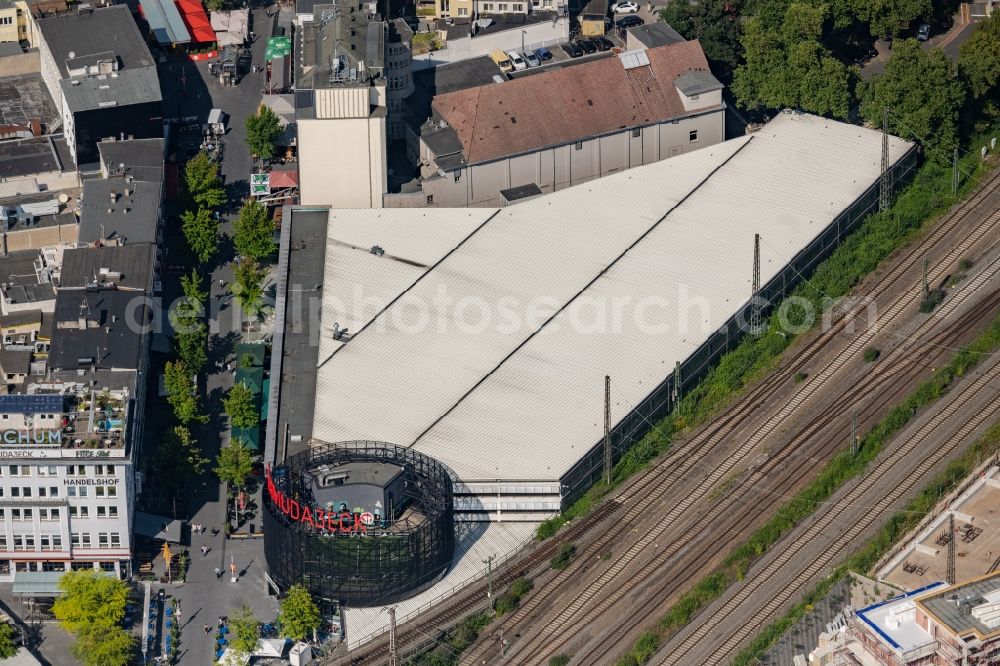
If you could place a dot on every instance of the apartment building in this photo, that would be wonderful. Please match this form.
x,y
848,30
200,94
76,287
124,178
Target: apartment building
x,y
103,89
566,126
75,373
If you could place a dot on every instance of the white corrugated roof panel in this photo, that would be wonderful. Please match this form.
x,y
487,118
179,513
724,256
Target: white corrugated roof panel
x,y
526,401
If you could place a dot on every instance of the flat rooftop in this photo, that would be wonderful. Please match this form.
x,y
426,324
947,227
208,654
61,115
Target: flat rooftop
x,y
29,157
977,544
25,98
446,376
963,607
894,621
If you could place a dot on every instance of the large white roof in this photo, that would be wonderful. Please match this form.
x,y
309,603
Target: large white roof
x,y
523,400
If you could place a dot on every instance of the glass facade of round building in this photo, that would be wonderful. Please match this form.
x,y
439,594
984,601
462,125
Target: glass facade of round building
x,y
358,523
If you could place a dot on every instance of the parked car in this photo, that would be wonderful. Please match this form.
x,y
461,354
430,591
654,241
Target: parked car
x,y
587,45
628,22
603,43
625,7
572,50
543,54
923,32
531,59
517,60
866,54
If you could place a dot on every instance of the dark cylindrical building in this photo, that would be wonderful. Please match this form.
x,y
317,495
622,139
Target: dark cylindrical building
x,y
358,523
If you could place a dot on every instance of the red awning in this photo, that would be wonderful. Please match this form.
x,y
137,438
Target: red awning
x,y
196,21
283,178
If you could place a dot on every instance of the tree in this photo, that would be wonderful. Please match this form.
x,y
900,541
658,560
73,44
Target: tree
x,y
890,17
788,66
248,286
235,463
263,128
253,231
714,23
181,392
923,94
245,630
191,342
201,231
193,289
90,599
201,176
99,645
180,457
239,406
8,648
979,59
299,616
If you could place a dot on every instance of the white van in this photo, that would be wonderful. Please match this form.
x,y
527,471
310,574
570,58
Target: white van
x,y
517,60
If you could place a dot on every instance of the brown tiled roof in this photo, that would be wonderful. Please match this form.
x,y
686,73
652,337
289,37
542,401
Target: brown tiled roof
x,y
568,104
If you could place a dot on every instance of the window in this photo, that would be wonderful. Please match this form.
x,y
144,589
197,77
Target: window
x,y
694,98
3,541
430,198
81,491
102,512
518,7
102,539
2,515
57,542
578,145
15,514
71,470
70,491
693,136
636,133
25,491
462,11
116,540
503,6
98,470
81,539
99,491
18,542
20,470
15,491
45,541
53,491
112,512
108,566
42,491
46,470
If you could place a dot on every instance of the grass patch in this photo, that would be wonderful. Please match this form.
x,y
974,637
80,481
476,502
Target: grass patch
x,y
843,467
871,354
928,195
644,648
562,558
800,377
863,560
425,41
559,660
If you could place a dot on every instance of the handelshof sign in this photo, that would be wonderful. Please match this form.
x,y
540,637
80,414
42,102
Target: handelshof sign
x,y
30,438
334,522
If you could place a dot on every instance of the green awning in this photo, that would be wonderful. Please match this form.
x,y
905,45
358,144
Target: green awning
x,y
252,378
265,399
250,437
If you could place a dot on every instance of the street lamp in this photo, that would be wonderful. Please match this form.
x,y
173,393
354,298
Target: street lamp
x,y
523,33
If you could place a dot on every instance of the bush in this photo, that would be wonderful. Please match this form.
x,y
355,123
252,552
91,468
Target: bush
x,y
931,301
559,660
871,354
799,377
562,559
966,264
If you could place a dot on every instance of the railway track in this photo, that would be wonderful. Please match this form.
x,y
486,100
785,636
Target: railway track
x,y
844,509
686,555
685,461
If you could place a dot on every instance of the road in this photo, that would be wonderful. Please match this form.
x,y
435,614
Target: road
x,y
204,597
950,41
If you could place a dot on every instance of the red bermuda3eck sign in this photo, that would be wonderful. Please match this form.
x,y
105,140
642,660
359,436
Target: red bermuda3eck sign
x,y
335,522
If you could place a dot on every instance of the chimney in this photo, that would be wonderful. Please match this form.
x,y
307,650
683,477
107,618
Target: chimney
x,y
114,196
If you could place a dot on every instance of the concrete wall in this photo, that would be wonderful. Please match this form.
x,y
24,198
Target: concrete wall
x,y
19,65
547,33
557,168
8,24
39,237
342,162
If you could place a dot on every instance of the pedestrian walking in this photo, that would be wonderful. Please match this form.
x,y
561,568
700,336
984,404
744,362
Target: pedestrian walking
x,y
218,573
208,630
204,550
